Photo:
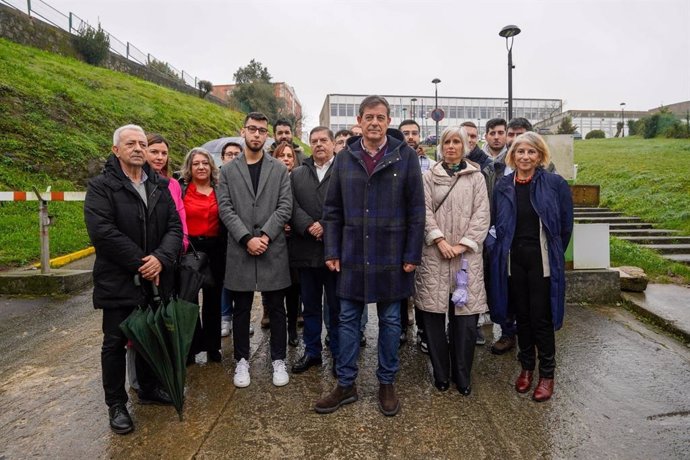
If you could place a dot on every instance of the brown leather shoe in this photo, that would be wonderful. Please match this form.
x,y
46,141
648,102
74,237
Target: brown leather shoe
x,y
544,390
503,345
336,398
524,381
389,404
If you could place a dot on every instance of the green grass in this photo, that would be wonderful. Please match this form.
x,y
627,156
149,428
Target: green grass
x,y
57,116
648,178
658,269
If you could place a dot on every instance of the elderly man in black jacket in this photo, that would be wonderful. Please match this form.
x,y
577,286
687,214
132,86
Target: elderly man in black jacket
x,y
134,226
309,185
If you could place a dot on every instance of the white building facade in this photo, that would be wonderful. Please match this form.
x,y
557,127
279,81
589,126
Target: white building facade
x,y
339,111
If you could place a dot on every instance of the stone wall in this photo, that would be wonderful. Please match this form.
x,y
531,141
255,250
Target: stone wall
x,y
21,28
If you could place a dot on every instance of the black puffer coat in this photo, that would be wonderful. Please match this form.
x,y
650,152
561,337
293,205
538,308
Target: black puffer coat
x,y
123,230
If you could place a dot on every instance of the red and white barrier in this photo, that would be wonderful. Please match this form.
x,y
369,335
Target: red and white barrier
x,y
47,196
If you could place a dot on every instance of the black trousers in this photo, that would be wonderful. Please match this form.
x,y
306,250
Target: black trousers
x,y
241,317
207,332
451,357
113,366
529,292
292,304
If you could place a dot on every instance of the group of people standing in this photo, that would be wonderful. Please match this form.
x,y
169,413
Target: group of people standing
x,y
378,223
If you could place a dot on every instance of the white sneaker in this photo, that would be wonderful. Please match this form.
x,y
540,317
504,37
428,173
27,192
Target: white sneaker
x,y
241,378
280,375
225,327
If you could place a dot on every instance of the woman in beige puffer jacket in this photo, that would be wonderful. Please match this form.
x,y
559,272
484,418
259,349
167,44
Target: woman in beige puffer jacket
x,y
454,230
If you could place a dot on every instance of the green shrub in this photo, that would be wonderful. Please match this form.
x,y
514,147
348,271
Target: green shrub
x,y
596,134
92,44
163,68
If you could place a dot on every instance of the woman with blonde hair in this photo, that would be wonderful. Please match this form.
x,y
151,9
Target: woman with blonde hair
x,y
457,221
533,220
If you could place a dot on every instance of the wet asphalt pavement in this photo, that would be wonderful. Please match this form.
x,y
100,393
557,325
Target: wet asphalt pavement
x,y
622,391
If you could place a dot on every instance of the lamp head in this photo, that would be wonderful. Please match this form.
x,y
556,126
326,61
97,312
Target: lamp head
x,y
509,31
436,81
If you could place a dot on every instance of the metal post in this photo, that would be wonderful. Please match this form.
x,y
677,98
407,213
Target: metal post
x,y
436,107
70,22
28,6
413,100
510,81
44,223
622,121
127,50
148,58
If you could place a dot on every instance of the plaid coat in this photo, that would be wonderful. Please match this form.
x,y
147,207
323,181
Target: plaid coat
x,y
374,224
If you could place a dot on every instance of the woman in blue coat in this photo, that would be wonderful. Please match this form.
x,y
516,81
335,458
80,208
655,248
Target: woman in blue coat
x,y
533,221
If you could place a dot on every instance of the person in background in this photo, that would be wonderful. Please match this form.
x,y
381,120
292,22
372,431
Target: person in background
x,y
128,249
229,152
341,138
309,185
206,234
158,159
495,137
533,221
287,156
457,221
486,166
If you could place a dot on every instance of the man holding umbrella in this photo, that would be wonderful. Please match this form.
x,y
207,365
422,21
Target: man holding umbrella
x,y
134,226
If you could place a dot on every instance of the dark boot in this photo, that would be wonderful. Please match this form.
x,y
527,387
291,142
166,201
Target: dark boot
x,y
524,381
336,398
503,345
120,421
389,404
544,390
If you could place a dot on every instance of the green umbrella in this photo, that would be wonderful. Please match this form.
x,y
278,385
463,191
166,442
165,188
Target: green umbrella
x,y
163,338
180,318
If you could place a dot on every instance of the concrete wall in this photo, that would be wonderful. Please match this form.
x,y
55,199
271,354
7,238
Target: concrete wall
x,y
20,28
561,147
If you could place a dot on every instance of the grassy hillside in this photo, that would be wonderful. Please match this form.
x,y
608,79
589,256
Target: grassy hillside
x,y
649,178
57,116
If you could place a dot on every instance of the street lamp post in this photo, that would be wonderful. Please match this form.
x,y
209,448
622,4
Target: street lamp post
x,y
508,32
436,81
413,100
622,119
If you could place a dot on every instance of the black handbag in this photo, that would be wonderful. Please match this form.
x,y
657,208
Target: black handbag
x,y
193,271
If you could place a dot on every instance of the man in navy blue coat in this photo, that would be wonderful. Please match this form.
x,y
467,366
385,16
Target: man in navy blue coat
x,y
373,234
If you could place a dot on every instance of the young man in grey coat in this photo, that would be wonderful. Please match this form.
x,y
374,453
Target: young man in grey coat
x,y
255,203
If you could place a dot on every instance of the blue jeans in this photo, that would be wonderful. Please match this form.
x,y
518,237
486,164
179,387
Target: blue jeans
x,y
314,281
226,301
388,342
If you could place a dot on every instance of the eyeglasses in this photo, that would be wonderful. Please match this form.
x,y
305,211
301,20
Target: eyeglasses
x,y
254,129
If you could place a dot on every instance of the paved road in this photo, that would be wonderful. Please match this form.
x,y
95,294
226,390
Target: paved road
x,y
622,392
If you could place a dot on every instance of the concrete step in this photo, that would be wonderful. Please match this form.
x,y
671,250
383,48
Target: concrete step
x,y
586,214
682,258
665,240
630,226
669,248
588,209
608,220
642,232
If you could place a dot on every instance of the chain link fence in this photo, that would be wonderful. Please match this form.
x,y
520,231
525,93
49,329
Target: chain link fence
x,y
73,24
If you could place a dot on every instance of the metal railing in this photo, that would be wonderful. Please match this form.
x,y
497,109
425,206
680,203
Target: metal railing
x,y
73,24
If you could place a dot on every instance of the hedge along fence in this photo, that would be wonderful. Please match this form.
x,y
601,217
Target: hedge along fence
x,y
56,30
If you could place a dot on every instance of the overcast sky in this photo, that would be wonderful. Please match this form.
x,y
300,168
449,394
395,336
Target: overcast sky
x,y
593,54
